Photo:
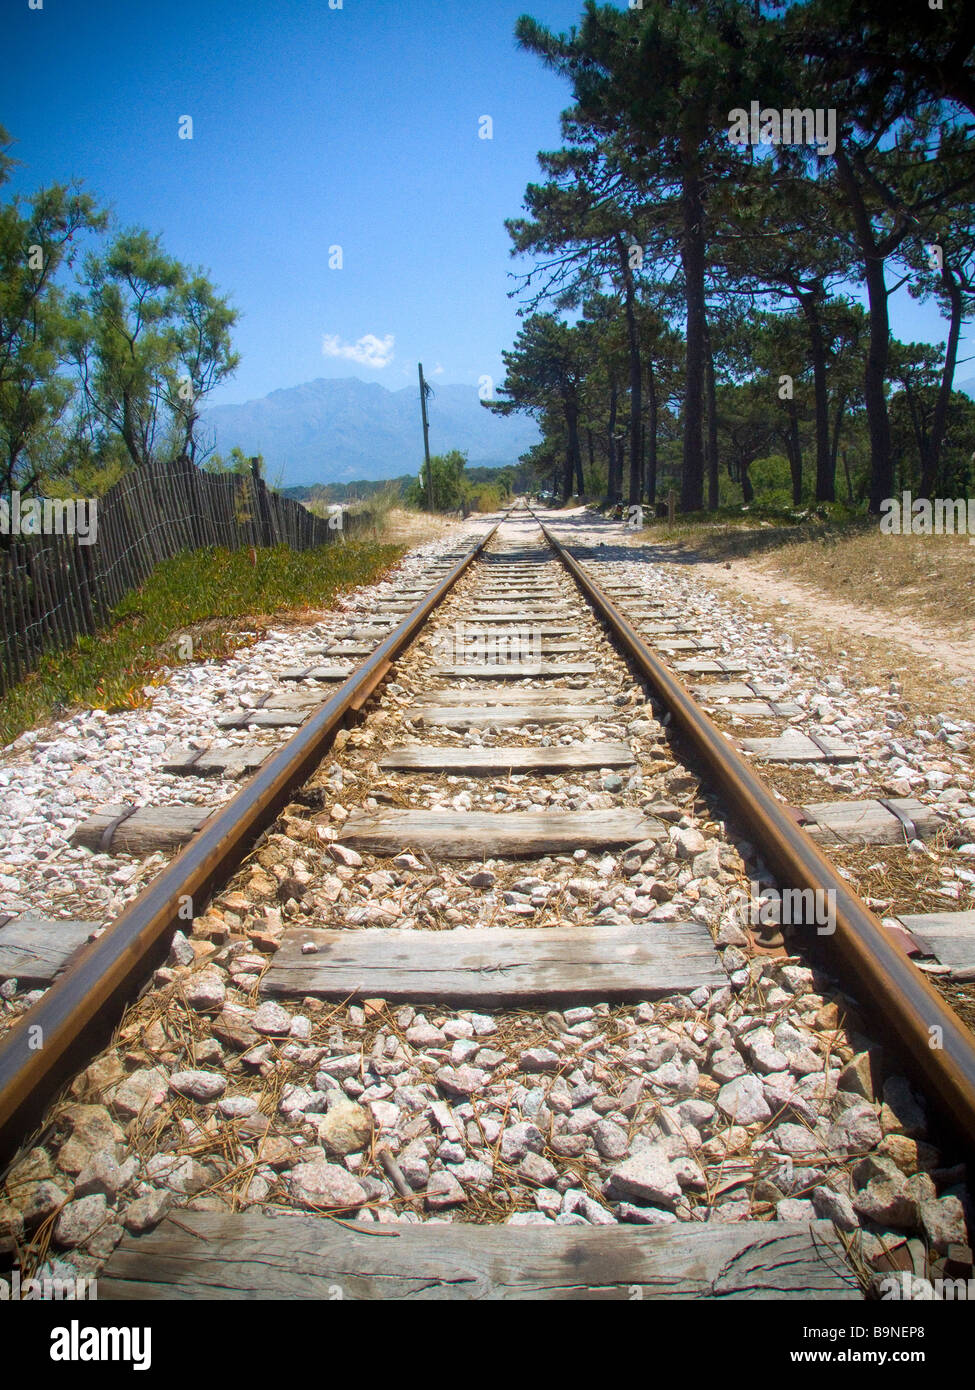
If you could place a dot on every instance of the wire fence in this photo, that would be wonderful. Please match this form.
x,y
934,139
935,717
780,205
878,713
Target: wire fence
x,y
57,587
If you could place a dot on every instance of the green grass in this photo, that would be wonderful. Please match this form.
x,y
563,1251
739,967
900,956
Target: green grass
x,y
203,595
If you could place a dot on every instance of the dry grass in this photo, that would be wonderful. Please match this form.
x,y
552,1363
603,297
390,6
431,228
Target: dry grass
x,y
896,880
924,577
402,527
865,660
961,997
925,688
920,576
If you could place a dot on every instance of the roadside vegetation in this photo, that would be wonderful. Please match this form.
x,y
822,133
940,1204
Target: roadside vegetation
x,y
219,599
707,292
108,345
446,486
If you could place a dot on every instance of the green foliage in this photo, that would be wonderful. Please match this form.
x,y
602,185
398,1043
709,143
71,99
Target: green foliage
x,y
236,462
112,669
150,339
389,492
736,257
322,494
449,491
37,241
115,370
544,374
772,481
912,411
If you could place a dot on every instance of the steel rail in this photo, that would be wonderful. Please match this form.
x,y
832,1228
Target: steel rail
x,y
921,1024
42,1049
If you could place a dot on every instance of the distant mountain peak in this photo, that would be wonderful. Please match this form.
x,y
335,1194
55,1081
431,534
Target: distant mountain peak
x,y
338,428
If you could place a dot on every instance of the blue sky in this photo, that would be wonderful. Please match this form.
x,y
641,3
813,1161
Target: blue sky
x,y
312,127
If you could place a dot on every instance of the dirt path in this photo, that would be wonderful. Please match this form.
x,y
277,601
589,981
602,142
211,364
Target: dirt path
x,y
945,655
955,654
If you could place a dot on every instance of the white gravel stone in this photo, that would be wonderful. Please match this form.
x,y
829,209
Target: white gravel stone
x,y
461,1081
146,1212
101,1174
519,1139
534,1168
443,1190
855,1131
943,1222
324,1185
836,1207
237,1107
205,993
179,1173
794,1209
742,1100
141,1091
180,950
80,1219
610,1139
647,1177
198,1085
271,1019
539,1059
888,1201
645,1216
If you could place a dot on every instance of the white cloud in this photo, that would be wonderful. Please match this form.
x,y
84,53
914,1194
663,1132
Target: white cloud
x,y
368,351
437,371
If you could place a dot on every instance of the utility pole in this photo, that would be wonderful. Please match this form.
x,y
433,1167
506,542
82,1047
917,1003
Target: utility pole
x,y
424,392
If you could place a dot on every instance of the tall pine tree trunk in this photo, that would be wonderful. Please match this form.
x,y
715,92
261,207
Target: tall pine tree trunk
x,y
875,374
575,451
794,449
932,455
692,260
825,459
652,437
615,484
636,375
711,444
747,491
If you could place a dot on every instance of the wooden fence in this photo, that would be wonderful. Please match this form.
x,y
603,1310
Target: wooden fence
x,y
53,588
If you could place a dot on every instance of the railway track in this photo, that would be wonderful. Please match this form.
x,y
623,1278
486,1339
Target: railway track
x,y
469,969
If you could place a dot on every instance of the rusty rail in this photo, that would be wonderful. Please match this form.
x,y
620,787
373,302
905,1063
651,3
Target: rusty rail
x,y
43,1048
933,1040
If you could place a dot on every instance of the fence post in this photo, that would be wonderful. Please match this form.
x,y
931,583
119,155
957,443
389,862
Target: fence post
x,y
50,591
260,493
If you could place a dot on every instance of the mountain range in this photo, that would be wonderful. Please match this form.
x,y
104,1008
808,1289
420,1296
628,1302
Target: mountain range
x,y
347,430
339,430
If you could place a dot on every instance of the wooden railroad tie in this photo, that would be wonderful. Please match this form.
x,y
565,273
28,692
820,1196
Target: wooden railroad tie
x,y
141,830
495,967
214,762
515,695
498,761
795,746
34,950
119,829
515,670
948,936
477,716
511,834
702,666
